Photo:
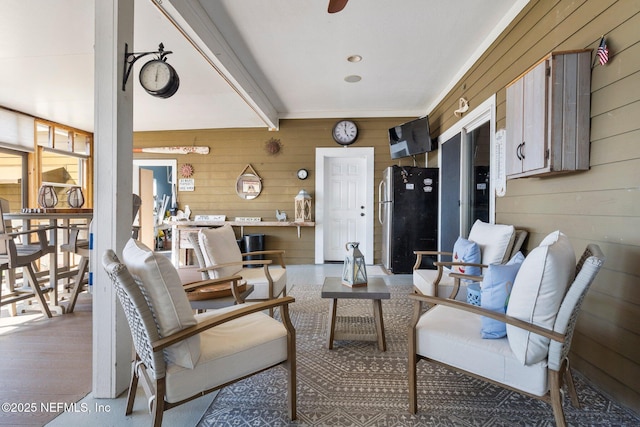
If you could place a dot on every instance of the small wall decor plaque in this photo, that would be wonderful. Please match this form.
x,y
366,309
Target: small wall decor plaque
x,y
186,184
249,184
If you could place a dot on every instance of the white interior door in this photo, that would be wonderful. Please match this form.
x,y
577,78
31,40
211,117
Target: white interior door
x,y
344,202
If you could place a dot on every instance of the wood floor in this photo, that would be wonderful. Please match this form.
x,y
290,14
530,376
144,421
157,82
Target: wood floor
x,y
44,363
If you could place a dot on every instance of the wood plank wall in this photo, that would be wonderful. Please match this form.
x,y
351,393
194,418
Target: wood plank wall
x,y
231,150
601,205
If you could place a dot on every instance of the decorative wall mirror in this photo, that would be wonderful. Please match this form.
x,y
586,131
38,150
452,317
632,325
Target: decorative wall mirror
x,y
249,184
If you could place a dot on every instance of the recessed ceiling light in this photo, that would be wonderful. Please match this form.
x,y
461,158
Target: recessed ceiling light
x,y
354,58
352,78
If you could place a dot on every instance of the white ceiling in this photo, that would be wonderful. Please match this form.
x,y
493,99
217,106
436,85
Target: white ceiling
x,y
278,58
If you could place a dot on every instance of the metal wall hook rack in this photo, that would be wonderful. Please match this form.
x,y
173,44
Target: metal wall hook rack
x,y
130,58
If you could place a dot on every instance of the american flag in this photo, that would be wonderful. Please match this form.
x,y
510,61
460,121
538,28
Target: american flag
x,y
603,52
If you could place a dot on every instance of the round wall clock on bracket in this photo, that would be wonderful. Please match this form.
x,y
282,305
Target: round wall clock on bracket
x,y
159,78
345,132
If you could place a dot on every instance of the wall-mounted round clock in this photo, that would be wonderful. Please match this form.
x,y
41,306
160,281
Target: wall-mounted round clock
x,y
303,174
345,132
159,78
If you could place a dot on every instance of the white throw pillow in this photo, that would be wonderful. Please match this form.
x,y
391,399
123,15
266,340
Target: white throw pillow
x,y
495,241
219,246
161,285
537,293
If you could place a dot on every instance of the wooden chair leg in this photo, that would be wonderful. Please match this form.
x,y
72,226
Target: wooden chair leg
x,y
83,267
568,378
10,277
291,364
33,280
292,400
556,398
413,386
133,388
413,358
158,407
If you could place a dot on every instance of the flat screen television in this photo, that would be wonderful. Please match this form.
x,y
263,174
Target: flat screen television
x,y
410,138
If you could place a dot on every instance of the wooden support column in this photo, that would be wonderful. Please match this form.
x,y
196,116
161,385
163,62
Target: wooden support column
x,y
113,164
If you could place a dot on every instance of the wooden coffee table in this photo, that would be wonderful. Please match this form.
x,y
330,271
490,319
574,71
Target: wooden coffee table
x,y
376,290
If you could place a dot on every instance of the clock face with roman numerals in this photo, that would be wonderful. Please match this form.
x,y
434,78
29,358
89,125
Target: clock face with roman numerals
x,y
345,132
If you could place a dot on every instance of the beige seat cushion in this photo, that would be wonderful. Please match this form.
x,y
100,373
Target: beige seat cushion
x,y
229,351
453,337
161,285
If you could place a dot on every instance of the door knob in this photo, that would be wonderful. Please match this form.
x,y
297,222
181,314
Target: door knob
x,y
362,214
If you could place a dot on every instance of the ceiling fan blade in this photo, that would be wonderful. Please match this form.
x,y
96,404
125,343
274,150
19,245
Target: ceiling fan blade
x,y
337,5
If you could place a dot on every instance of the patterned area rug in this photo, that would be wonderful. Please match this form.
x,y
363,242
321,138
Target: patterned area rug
x,y
356,385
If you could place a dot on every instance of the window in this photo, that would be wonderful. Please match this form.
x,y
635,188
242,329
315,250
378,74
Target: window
x,y
13,182
64,159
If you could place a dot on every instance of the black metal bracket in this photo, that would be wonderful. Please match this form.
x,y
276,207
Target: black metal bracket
x,y
131,57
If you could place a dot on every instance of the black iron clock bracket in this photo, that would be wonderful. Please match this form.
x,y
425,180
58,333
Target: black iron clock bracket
x,y
131,57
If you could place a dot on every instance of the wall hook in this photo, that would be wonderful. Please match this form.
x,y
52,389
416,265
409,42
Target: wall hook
x,y
463,106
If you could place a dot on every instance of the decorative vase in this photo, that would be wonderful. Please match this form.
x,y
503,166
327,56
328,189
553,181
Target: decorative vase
x,y
47,197
75,198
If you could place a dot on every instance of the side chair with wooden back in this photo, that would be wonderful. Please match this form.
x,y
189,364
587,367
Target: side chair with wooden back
x,y
23,254
80,247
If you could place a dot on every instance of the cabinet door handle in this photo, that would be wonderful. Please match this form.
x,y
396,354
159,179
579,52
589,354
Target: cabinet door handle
x,y
522,149
518,151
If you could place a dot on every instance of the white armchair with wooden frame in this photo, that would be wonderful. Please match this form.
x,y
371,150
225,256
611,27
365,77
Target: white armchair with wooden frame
x,y
532,356
494,244
181,356
222,257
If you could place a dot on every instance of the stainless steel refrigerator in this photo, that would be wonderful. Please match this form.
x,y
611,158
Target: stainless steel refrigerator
x,y
408,212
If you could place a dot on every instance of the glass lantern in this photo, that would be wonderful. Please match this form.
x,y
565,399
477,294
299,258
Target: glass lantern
x,y
47,197
75,198
302,207
354,272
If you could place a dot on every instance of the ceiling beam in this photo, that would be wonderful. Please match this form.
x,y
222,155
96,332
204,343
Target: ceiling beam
x,y
192,21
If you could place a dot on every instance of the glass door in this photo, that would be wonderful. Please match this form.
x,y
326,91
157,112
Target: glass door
x,y
467,189
478,146
450,198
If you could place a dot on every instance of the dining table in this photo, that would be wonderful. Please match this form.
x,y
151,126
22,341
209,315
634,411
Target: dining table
x,y
59,219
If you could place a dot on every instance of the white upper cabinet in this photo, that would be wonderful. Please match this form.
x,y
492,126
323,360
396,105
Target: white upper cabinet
x,y
548,116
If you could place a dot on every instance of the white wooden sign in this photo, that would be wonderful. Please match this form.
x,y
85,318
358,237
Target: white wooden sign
x,y
186,184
